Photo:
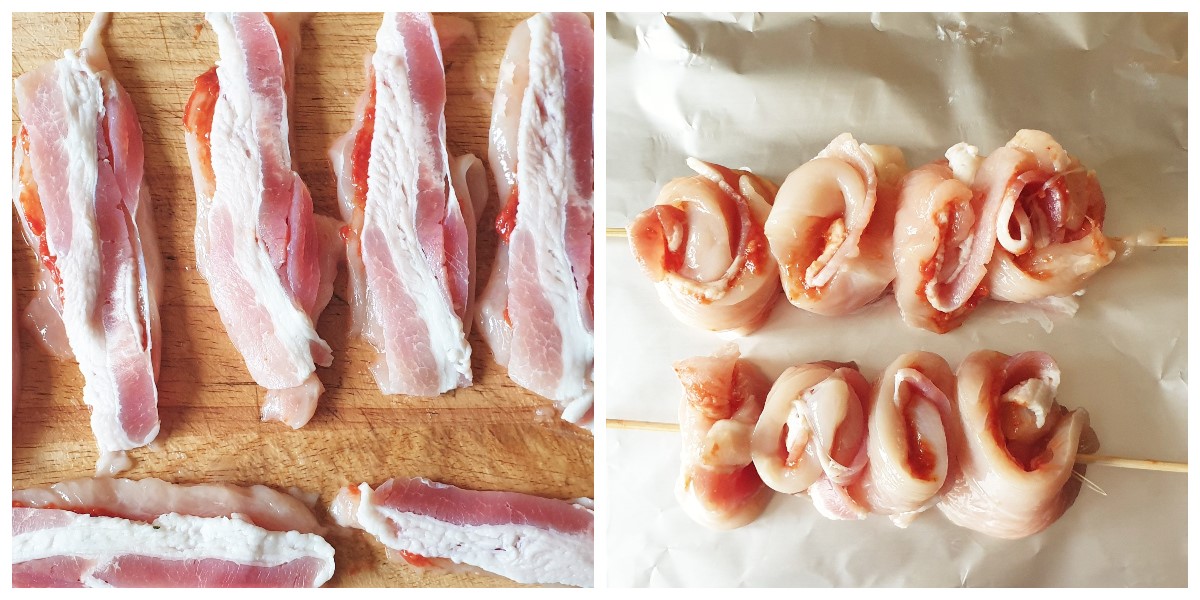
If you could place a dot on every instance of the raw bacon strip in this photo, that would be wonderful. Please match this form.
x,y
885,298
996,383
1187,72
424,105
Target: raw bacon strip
x,y
58,548
702,244
1049,227
524,538
85,211
146,499
944,237
831,226
722,398
1015,446
813,435
411,234
536,311
269,262
907,448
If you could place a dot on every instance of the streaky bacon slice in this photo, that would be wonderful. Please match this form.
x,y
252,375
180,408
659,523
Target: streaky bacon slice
x,y
1049,228
536,310
813,435
1015,446
908,455
831,226
525,538
149,533
411,220
85,210
269,261
702,244
723,397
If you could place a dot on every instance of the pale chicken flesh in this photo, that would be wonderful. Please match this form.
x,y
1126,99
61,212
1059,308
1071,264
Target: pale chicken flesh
x,y
85,210
536,310
831,226
410,211
149,533
525,538
1014,446
723,397
269,261
702,244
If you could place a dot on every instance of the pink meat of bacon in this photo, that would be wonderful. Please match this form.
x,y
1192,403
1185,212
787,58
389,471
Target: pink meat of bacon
x,y
908,456
149,533
1015,446
525,538
86,213
813,435
722,399
269,262
702,245
536,311
831,226
1049,228
411,216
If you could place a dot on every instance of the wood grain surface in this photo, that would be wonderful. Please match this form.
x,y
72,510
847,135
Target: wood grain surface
x,y
494,435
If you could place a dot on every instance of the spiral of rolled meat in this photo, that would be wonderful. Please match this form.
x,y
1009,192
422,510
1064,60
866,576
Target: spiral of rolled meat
x,y
723,397
907,447
813,433
1015,445
1049,229
831,226
944,237
702,244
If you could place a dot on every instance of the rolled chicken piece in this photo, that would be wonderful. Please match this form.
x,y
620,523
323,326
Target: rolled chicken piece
x,y
907,447
831,226
723,398
1015,446
1049,226
812,435
702,244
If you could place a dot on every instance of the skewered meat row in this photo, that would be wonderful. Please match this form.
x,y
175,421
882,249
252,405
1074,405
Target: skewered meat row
x,y
1020,225
989,446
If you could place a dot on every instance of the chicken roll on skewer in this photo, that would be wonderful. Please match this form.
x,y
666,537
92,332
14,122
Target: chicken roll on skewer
x,y
85,210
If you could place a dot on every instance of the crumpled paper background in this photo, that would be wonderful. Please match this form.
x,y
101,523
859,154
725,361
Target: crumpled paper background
x,y
768,92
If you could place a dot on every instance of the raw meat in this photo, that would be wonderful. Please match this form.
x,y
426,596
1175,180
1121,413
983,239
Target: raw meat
x,y
86,213
831,226
525,538
411,220
269,262
702,245
536,311
723,397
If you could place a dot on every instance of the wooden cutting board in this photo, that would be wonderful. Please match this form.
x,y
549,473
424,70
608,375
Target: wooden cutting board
x,y
489,436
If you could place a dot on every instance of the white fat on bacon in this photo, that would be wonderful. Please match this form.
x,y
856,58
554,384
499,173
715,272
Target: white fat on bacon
x,y
525,538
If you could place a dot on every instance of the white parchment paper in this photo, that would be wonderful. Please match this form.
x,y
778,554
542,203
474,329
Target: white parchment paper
x,y
767,92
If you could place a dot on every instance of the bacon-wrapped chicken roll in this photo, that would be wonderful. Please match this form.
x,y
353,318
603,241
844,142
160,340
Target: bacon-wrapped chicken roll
x,y
702,244
831,226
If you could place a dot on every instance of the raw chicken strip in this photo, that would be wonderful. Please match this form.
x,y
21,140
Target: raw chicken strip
x,y
85,211
269,262
149,533
908,455
525,538
813,435
411,233
944,237
702,245
1015,446
536,311
1049,227
722,398
831,226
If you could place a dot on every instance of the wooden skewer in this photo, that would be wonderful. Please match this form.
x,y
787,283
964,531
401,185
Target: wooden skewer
x,y
1090,459
1163,242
